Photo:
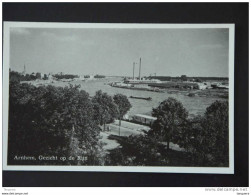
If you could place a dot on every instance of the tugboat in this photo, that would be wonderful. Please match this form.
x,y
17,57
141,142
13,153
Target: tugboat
x,y
142,98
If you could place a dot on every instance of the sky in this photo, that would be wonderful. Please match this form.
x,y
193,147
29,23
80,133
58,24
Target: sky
x,y
112,52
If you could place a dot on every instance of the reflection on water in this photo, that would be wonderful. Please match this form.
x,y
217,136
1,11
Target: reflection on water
x,y
194,105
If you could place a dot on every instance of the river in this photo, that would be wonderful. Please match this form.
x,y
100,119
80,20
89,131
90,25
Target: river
x,y
195,105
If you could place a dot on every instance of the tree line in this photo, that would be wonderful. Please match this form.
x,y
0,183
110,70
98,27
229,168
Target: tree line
x,y
16,76
65,76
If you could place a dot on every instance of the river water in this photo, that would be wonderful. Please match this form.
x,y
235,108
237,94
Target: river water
x,y
195,105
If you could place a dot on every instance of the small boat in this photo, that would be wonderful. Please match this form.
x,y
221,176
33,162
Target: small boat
x,y
142,98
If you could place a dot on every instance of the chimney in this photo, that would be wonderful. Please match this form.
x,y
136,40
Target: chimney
x,y
133,69
139,68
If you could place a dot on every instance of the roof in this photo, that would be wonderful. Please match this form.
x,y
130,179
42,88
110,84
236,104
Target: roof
x,y
146,116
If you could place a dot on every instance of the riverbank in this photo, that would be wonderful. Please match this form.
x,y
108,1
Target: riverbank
x,y
207,92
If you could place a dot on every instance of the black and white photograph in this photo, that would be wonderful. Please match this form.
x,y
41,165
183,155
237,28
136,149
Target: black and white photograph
x,y
118,97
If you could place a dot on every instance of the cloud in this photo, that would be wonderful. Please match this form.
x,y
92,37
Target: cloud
x,y
20,31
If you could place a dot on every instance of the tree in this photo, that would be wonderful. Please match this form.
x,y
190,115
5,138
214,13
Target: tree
x,y
171,115
216,133
65,76
138,150
51,120
183,77
105,108
123,106
206,137
38,75
15,76
190,137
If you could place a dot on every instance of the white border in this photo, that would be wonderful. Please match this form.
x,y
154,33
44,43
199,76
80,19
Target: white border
x,y
6,52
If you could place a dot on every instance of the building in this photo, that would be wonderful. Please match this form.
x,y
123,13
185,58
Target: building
x,y
50,77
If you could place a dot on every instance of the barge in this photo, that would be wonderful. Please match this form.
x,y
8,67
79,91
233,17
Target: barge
x,y
142,98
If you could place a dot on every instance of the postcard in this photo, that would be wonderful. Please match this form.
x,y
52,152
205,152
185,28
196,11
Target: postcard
x,y
118,97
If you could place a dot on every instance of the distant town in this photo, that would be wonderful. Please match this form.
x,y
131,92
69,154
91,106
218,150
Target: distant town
x,y
150,83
